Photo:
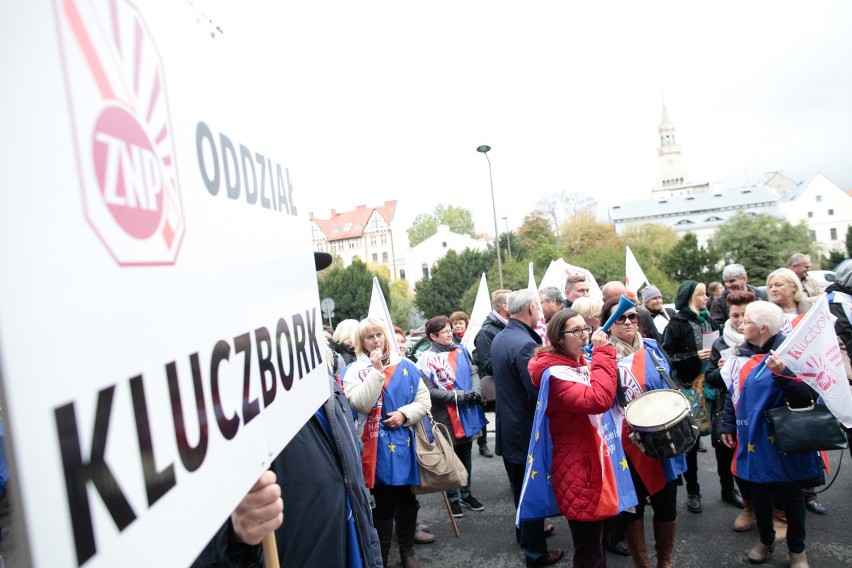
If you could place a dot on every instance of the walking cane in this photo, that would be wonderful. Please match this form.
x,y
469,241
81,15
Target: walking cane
x,y
450,512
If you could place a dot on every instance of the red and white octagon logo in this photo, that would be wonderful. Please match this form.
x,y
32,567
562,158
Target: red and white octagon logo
x,y
122,130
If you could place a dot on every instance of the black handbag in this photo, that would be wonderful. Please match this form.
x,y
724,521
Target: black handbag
x,y
810,429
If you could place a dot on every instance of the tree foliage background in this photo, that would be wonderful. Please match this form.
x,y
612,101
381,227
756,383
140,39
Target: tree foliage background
x,y
448,280
458,219
351,289
761,243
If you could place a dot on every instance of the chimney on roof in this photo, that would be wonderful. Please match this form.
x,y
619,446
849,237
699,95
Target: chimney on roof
x,y
359,207
333,212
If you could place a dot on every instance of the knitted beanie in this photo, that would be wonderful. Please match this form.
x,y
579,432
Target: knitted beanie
x,y
650,292
684,293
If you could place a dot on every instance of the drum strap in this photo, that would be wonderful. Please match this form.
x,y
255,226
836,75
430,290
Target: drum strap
x,y
662,370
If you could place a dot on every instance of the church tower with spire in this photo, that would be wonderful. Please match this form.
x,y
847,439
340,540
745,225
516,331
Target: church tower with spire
x,y
671,177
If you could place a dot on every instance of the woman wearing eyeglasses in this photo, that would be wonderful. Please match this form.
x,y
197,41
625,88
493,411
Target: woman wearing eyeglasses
x,y
454,387
578,408
638,359
683,341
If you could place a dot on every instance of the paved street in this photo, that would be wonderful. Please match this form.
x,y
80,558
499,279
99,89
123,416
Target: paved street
x,y
487,538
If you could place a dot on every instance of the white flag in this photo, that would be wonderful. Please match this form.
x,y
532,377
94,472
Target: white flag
x,y
541,326
481,309
559,271
634,276
379,310
811,352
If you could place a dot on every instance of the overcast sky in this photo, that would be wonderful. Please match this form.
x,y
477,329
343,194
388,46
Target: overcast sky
x,y
389,100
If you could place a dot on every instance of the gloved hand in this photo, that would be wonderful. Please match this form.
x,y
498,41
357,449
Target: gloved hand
x,y
473,397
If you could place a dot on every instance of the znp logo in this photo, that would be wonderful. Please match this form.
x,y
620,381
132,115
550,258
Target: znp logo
x,y
122,131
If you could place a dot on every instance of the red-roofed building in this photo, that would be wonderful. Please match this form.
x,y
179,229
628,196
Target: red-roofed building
x,y
364,233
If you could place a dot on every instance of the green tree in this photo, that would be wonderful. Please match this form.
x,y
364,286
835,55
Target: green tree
x,y
401,304
583,233
849,241
686,261
650,243
536,242
458,219
761,243
351,289
448,280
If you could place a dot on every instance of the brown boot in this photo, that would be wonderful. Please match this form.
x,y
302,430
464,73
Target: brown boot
x,y
744,520
405,529
634,534
385,530
779,521
664,537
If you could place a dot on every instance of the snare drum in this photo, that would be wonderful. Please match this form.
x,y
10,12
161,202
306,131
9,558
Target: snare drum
x,y
660,423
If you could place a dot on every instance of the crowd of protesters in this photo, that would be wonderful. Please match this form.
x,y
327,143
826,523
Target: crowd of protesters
x,y
362,439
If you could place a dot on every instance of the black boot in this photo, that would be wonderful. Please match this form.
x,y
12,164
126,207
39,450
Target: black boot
x,y
405,529
385,530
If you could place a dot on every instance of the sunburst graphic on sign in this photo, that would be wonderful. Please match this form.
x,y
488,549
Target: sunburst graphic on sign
x,y
123,134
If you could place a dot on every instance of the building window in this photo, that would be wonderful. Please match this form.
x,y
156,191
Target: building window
x,y
819,198
384,239
812,234
834,234
810,214
384,258
372,241
402,273
351,245
425,271
831,211
375,258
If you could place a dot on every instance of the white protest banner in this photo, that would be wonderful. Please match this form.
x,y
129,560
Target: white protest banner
x,y
379,310
811,351
634,275
159,323
540,326
481,309
559,271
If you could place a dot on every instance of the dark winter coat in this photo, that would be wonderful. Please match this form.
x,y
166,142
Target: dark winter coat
x,y
482,342
511,352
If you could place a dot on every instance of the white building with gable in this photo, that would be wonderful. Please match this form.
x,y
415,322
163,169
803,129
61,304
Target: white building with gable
x,y
700,209
420,258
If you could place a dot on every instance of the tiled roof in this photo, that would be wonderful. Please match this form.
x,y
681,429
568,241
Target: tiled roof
x,y
351,224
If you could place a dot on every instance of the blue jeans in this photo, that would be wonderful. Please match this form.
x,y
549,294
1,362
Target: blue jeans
x,y
463,451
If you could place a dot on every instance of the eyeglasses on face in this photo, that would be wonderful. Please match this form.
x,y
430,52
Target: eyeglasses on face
x,y
633,317
579,331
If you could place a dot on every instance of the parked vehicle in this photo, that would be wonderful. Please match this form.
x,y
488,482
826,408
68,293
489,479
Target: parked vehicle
x,y
823,277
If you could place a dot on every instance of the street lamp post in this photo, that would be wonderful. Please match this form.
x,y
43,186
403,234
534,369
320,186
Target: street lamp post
x,y
508,237
485,149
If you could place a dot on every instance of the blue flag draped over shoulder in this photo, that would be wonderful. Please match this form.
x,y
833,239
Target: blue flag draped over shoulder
x,y
538,499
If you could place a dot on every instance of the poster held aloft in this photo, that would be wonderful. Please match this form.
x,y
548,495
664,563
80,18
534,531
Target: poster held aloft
x,y
161,291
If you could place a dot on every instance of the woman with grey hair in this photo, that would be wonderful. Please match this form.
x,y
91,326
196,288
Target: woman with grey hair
x,y
785,290
758,380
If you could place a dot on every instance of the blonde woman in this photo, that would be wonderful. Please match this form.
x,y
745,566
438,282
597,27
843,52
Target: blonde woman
x,y
390,398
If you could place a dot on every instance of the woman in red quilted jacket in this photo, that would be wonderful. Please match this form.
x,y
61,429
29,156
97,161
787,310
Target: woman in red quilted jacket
x,y
578,398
